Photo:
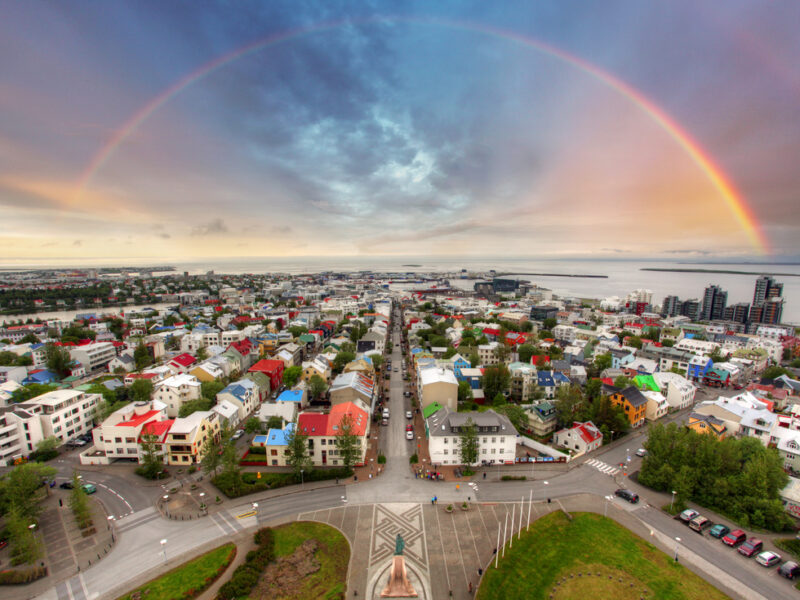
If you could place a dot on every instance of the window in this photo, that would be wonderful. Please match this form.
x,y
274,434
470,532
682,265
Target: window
x,y
494,451
445,451
484,440
502,450
494,440
273,453
324,441
503,440
132,450
483,451
445,440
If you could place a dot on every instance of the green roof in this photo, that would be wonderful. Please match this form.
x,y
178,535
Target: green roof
x,y
306,338
646,382
430,409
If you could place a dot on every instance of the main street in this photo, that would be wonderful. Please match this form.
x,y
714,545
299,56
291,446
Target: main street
x,y
139,555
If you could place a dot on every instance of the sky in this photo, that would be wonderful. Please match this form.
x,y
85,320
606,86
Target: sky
x,y
180,129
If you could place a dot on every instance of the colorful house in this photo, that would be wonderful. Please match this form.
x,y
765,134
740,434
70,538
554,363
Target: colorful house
x,y
272,369
633,403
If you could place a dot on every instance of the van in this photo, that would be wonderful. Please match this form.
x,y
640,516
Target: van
x,y
699,524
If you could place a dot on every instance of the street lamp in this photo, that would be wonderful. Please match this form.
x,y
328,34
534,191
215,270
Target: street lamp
x,y
672,501
544,489
163,543
301,477
677,542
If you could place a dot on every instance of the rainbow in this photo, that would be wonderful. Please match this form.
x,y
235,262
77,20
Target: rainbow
x,y
733,199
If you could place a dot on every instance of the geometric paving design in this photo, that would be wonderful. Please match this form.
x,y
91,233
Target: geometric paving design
x,y
402,518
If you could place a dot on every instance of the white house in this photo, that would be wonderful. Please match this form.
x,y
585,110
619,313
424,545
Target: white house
x,y
176,391
679,391
497,438
657,405
581,437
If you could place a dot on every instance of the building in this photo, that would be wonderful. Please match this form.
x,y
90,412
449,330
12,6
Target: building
x,y
323,429
352,387
714,301
580,438
523,381
678,391
767,302
243,394
93,356
633,403
189,435
766,288
488,354
437,385
691,309
542,418
176,391
272,369
64,414
119,435
276,442
540,313
671,306
708,424
657,405
20,431
497,437
739,313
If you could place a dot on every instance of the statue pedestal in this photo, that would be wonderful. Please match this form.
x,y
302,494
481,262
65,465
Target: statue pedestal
x,y
398,586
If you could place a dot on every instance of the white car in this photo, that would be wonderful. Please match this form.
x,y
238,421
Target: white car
x,y
409,435
409,414
641,452
239,433
768,559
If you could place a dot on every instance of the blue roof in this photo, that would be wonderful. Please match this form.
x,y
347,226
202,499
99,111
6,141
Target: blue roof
x,y
545,379
278,437
416,350
291,396
560,377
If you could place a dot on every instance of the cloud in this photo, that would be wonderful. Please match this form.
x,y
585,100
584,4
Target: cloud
x,y
281,229
164,236
615,250
689,251
213,227
77,243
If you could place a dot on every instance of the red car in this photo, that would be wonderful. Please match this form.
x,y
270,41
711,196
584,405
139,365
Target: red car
x,y
734,538
409,427
751,547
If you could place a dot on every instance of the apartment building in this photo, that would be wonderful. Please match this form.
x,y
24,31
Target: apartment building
x,y
497,437
176,391
94,356
119,435
188,436
64,414
322,430
20,431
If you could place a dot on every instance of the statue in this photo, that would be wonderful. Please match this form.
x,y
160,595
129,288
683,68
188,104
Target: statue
x,y
398,585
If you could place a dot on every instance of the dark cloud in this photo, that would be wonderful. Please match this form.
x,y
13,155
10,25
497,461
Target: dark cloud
x,y
213,227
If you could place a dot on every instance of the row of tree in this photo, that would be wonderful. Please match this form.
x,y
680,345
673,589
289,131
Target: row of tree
x,y
740,478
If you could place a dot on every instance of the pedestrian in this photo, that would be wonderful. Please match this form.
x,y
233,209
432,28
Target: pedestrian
x,y
484,474
480,571
494,551
436,499
470,587
433,501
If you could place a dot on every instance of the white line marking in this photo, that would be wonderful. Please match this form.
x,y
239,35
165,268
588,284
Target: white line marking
x,y
444,555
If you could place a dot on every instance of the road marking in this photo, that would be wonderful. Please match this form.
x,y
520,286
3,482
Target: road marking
x,y
251,513
602,467
444,554
219,522
62,591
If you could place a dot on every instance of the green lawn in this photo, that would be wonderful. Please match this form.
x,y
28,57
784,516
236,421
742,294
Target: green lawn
x,y
602,552
197,574
330,581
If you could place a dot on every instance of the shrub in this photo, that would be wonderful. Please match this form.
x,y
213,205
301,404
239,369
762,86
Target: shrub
x,y
193,469
414,459
42,455
381,459
246,575
250,483
258,450
513,478
20,576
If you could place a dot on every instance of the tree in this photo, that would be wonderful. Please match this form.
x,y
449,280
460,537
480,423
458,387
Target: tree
x,y
58,360
499,400
201,354
569,400
210,389
297,452
297,330
348,443
142,357
775,372
79,503
252,425
230,461
465,392
291,376
192,406
549,323
594,389
635,342
20,486
317,386
275,422
152,462
496,379
622,382
25,547
474,359
29,338
526,352
603,362
211,454
515,414
377,361
468,443
141,390
342,358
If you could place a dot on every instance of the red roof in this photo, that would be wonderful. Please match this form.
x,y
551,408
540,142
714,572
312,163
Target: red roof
x,y
317,424
539,359
137,420
266,365
588,432
141,375
185,359
491,331
607,380
312,423
158,428
244,347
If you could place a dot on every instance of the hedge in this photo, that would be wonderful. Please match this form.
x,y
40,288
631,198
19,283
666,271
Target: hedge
x,y
246,575
257,450
20,576
250,483
513,478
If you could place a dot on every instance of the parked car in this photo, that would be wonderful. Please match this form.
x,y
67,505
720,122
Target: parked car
x,y
719,531
628,495
700,524
385,413
409,435
409,414
641,452
767,559
789,569
688,515
384,421
239,433
734,538
409,427
67,485
89,488
751,547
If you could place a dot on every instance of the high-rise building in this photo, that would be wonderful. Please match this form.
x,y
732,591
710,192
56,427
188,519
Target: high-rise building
x,y
766,288
737,312
714,301
671,306
767,302
691,309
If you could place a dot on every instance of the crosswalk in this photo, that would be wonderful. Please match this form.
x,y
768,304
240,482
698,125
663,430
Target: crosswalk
x,y
602,467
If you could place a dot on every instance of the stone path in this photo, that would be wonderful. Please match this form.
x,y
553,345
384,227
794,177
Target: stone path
x,y
443,550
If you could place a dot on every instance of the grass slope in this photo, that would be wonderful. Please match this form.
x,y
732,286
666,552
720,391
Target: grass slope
x,y
557,547
187,579
333,554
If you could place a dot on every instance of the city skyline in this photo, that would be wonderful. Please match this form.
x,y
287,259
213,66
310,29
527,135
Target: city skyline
x,y
293,129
